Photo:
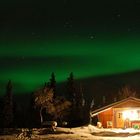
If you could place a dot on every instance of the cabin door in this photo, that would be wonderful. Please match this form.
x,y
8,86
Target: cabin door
x,y
119,119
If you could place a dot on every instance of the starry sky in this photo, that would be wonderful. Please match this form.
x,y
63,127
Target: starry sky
x,y
87,37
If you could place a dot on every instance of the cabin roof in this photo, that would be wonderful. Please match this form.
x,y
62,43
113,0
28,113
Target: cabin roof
x,y
113,105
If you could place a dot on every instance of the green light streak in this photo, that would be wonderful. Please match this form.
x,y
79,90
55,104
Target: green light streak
x,y
30,64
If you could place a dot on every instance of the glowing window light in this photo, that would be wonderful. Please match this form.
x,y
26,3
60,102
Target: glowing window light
x,y
131,115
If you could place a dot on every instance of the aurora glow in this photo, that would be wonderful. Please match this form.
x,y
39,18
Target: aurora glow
x,y
59,36
31,66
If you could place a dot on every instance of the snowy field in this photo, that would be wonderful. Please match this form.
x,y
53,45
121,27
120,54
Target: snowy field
x,y
79,133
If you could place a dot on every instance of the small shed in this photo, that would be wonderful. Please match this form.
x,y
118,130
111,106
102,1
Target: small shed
x,y
121,114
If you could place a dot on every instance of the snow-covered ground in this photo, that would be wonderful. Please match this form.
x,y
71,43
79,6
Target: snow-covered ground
x,y
80,133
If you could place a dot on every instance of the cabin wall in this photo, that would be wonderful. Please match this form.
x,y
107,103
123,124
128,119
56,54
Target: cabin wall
x,y
105,116
115,113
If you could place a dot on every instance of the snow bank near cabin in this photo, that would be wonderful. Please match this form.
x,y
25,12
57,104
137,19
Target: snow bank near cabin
x,y
79,133
113,132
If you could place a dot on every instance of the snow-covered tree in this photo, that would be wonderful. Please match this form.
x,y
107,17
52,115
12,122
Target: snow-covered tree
x,y
60,108
56,107
43,99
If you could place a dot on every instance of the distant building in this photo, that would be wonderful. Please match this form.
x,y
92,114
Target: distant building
x,y
121,114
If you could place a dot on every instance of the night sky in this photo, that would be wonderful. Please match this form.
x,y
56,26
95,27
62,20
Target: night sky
x,y
87,37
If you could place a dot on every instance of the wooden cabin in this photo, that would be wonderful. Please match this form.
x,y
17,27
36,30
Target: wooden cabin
x,y
121,114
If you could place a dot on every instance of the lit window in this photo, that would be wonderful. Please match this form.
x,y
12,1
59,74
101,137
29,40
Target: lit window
x,y
131,115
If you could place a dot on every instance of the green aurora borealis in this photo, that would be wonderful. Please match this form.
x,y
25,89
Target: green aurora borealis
x,y
90,38
30,64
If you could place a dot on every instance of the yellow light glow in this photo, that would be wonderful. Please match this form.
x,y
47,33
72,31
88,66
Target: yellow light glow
x,y
130,114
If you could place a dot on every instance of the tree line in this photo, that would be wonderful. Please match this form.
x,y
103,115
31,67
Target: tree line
x,y
45,105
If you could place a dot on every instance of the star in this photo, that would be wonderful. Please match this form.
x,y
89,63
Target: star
x,y
118,15
92,37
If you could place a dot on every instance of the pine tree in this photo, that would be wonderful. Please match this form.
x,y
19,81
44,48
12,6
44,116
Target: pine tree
x,y
53,83
71,91
8,115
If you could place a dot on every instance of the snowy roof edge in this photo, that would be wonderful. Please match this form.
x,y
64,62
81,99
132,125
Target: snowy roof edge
x,y
95,112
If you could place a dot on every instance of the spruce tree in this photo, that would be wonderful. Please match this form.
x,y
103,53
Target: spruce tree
x,y
53,83
8,115
71,91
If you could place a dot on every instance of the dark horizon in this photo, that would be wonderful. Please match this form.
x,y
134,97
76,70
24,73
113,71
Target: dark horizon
x,y
92,86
